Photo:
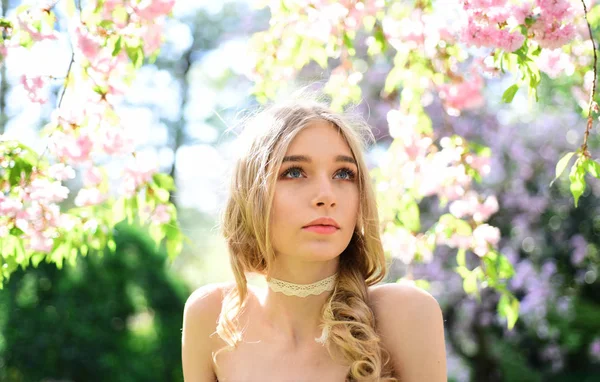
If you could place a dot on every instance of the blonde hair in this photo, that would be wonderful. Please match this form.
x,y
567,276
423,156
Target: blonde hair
x,y
346,314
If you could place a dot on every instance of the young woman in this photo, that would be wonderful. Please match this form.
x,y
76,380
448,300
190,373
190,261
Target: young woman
x,y
302,212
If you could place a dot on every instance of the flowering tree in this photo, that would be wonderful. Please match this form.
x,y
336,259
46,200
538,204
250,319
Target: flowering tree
x,y
438,54
109,40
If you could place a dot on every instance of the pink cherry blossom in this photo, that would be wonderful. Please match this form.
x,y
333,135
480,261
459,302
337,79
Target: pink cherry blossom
x,y
9,206
462,95
484,211
89,197
35,87
92,177
45,191
555,62
40,243
151,9
465,206
70,148
88,44
68,117
61,172
455,241
108,6
25,20
401,243
114,140
552,36
484,236
402,127
558,9
67,222
520,12
480,163
135,174
161,214
469,205
152,36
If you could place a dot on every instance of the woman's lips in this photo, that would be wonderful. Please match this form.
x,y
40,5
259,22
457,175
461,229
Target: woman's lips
x,y
321,229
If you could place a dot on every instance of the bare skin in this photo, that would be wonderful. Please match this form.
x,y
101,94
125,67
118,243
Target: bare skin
x,y
409,324
316,180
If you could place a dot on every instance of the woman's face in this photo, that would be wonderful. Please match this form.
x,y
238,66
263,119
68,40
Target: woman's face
x,y
318,179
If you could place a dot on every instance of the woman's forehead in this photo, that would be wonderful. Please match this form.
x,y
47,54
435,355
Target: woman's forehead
x,y
319,137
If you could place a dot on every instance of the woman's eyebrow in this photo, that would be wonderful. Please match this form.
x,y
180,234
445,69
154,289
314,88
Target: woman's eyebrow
x,y
305,158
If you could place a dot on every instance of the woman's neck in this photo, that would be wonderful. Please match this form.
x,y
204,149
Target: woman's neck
x,y
297,320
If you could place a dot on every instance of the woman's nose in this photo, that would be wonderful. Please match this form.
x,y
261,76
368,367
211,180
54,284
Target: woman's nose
x,y
325,195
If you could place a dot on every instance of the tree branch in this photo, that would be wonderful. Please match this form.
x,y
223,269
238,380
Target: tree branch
x,y
62,95
588,128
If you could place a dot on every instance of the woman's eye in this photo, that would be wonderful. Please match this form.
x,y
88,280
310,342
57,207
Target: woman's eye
x,y
293,172
346,174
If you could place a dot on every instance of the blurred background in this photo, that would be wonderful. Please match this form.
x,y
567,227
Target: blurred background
x,y
118,317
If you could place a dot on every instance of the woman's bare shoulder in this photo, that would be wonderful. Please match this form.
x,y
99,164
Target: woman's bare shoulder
x,y
200,317
411,326
203,307
402,303
207,300
401,292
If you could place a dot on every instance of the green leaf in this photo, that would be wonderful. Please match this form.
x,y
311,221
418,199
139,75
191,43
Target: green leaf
x,y
423,284
162,195
118,211
118,46
164,181
562,165
462,227
509,93
36,259
174,241
408,214
58,254
120,14
592,168
508,307
577,178
20,252
157,233
131,208
111,245
460,257
107,24
470,283
504,267
135,54
7,246
102,90
464,272
348,43
49,19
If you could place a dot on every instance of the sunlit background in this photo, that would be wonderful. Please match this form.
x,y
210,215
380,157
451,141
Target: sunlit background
x,y
119,318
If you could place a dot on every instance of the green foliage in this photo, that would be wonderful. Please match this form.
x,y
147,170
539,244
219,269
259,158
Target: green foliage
x,y
508,307
577,179
90,229
115,317
509,94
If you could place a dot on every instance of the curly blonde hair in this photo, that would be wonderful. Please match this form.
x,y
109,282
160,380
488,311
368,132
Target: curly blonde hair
x,y
245,224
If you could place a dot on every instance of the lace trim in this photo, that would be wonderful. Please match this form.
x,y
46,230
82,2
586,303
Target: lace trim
x,y
300,290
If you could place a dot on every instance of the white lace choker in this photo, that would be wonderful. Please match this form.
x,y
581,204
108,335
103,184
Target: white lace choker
x,y
302,290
